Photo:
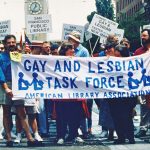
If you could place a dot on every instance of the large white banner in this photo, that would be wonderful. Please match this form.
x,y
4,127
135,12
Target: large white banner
x,y
39,24
67,28
5,29
72,77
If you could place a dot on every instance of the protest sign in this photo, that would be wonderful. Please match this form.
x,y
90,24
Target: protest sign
x,y
102,26
15,56
75,77
67,28
87,34
38,24
119,33
5,28
146,27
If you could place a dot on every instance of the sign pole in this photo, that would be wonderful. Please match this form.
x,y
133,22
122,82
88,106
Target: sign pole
x,y
95,46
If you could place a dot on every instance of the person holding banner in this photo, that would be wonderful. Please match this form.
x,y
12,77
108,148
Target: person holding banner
x,y
44,104
6,94
121,109
145,110
81,51
105,118
69,112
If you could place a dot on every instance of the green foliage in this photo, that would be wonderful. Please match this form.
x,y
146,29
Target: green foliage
x,y
105,9
132,29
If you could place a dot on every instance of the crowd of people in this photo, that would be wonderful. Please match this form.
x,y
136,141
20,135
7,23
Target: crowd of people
x,y
70,114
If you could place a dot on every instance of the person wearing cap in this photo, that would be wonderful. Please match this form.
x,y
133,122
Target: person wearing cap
x,y
80,51
54,49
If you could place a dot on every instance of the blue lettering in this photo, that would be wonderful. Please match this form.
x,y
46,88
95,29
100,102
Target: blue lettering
x,y
49,79
119,81
110,80
76,66
103,82
67,66
25,65
96,83
87,81
138,63
73,85
110,69
130,66
89,66
57,66
57,84
35,66
118,66
65,80
43,65
100,68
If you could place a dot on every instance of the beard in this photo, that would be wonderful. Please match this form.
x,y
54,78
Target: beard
x,y
11,48
145,42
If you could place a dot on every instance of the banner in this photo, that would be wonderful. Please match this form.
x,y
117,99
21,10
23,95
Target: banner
x,y
63,77
5,29
67,28
39,24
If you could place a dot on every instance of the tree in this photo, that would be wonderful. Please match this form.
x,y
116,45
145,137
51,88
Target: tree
x,y
105,9
132,28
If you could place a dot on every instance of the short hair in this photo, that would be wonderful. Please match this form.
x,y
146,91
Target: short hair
x,y
148,30
8,37
124,40
64,47
123,50
46,42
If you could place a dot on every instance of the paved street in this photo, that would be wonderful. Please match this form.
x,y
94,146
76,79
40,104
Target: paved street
x,y
94,143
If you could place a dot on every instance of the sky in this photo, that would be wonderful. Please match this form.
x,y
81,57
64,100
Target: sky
x,y
62,11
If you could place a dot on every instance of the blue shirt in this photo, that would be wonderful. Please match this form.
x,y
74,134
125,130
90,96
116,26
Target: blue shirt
x,y
81,51
5,67
102,53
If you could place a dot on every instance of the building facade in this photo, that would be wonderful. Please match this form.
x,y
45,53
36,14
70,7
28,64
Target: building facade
x,y
128,8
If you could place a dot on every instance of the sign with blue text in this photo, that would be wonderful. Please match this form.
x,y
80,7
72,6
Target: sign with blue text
x,y
63,77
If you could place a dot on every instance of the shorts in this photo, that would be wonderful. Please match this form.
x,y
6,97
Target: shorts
x,y
29,110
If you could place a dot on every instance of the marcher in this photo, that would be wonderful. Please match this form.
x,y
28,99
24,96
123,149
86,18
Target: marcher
x,y
121,109
6,94
145,111
105,118
69,112
80,51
